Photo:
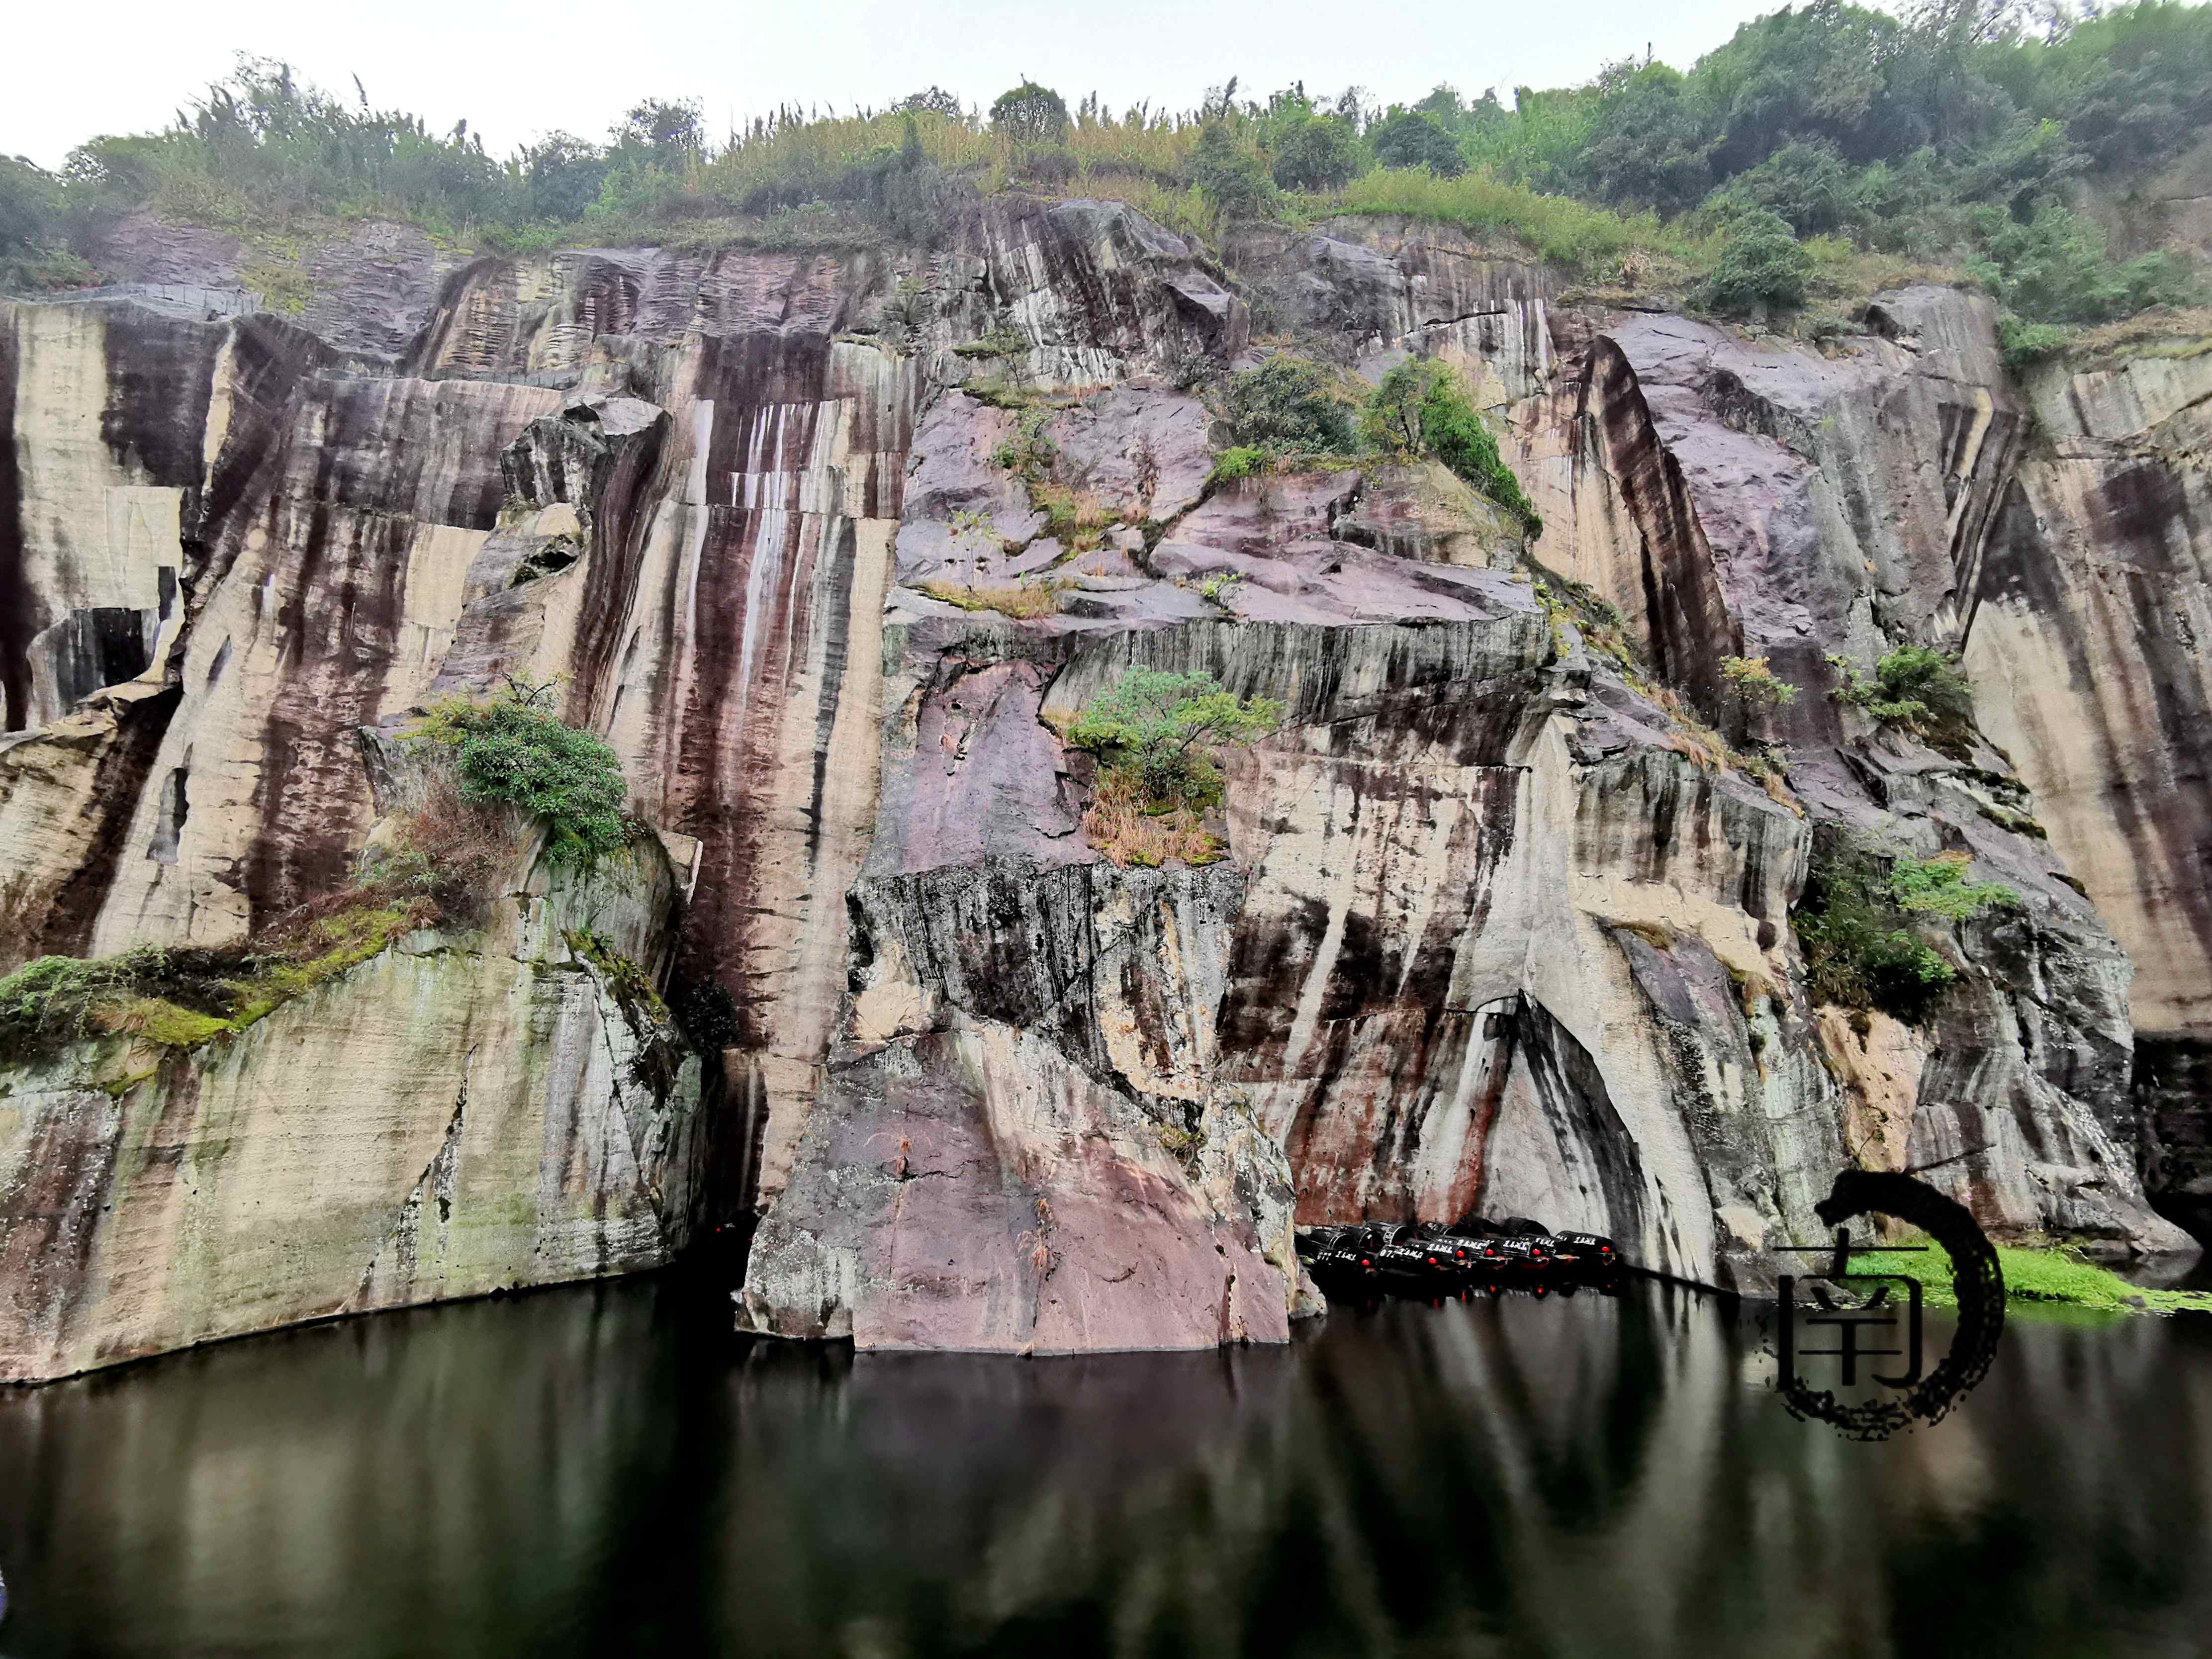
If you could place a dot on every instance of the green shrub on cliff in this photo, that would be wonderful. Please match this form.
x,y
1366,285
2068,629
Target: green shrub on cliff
x,y
1756,683
33,254
2026,344
1153,732
1289,405
1918,688
1030,114
1415,138
437,867
1422,408
2054,269
1240,461
510,753
1853,958
1762,267
1028,451
1859,924
1318,152
1160,727
1939,887
1230,174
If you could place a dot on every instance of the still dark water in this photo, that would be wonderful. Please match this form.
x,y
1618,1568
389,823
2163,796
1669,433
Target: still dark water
x,y
604,1470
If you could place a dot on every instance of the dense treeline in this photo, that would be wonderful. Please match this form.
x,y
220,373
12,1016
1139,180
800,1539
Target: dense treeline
x,y
1955,135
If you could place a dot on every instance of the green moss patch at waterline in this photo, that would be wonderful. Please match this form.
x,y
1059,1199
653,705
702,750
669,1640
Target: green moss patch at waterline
x,y
2056,1274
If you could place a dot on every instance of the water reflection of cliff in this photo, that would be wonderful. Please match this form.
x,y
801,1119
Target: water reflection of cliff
x,y
598,1470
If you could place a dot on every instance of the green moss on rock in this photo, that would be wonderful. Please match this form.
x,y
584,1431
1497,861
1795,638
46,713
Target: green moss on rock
x,y
188,998
2052,1273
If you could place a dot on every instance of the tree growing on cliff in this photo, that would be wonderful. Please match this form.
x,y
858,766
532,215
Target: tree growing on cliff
x,y
1762,267
1806,184
1860,921
560,176
1030,114
932,99
1289,404
1318,152
32,253
30,205
1161,727
1155,734
667,131
1421,409
2055,269
1915,687
1649,147
510,751
1414,138
1756,684
1228,173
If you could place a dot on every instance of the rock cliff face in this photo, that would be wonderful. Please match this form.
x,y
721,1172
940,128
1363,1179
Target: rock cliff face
x,y
2093,611
456,1115
1496,923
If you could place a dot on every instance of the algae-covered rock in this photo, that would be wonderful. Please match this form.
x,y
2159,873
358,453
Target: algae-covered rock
x,y
445,1118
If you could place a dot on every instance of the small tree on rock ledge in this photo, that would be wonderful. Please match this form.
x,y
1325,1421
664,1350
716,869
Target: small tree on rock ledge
x,y
1153,732
1420,408
510,752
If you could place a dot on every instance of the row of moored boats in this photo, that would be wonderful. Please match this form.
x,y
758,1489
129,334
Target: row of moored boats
x,y
1436,1258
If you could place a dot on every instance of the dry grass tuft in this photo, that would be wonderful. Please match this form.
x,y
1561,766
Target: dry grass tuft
x,y
1657,934
1077,519
1691,736
2164,331
1023,600
1121,825
1753,989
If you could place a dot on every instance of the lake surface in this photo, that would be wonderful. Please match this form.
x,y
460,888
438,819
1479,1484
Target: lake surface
x,y
606,1470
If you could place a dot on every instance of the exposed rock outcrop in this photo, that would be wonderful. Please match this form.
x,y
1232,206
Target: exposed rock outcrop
x,y
2092,610
461,1114
1784,506
1500,921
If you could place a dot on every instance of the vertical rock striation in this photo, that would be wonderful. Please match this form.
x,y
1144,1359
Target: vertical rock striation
x,y
459,1115
1501,923
2092,606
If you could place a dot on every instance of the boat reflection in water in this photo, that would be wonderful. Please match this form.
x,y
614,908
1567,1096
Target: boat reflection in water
x,y
605,1469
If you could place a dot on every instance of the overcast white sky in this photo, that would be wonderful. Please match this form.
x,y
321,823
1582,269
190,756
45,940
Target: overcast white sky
x,y
517,69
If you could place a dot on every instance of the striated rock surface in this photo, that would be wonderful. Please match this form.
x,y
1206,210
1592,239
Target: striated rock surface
x,y
459,1115
1500,923
2092,612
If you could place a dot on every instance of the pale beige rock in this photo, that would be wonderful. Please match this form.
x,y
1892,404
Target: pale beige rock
x,y
2088,638
2122,401
710,707
1879,1062
66,794
440,1122
97,531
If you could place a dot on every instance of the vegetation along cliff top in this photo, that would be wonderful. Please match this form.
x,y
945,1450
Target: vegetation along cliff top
x,y
1825,151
